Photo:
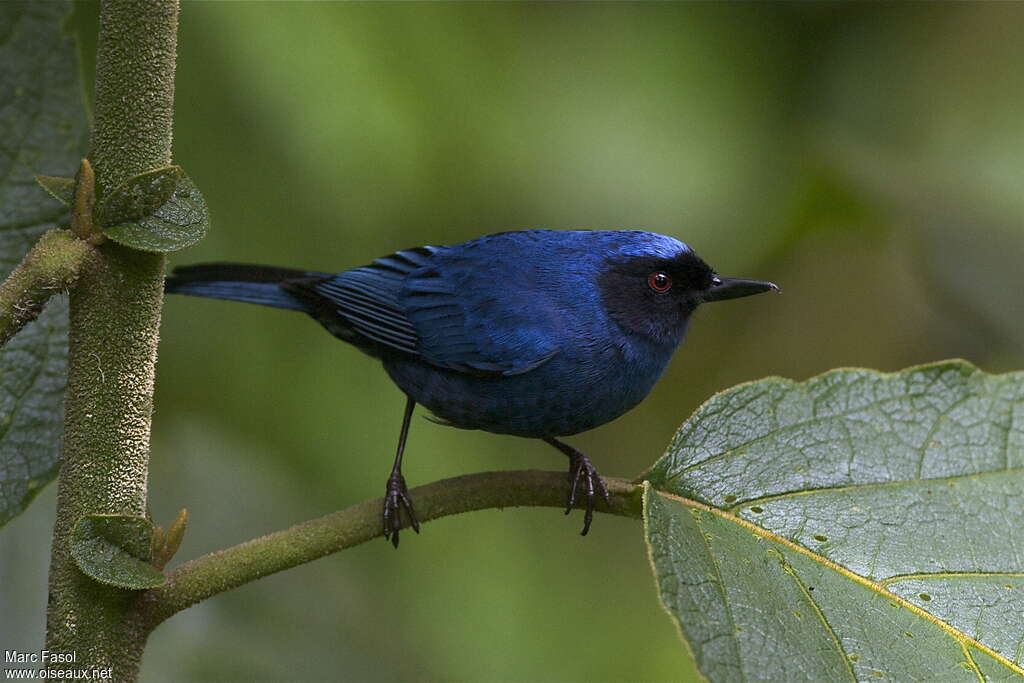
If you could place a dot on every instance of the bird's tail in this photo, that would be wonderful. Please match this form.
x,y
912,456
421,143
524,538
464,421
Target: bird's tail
x,y
238,282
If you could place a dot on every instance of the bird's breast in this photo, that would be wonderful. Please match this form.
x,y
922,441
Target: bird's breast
x,y
576,390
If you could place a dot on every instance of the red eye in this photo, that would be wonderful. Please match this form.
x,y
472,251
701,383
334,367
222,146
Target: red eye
x,y
659,281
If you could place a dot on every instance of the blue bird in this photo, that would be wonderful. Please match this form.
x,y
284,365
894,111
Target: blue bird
x,y
539,333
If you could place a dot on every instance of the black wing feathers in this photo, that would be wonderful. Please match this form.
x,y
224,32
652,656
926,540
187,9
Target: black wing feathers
x,y
367,300
361,305
399,303
237,272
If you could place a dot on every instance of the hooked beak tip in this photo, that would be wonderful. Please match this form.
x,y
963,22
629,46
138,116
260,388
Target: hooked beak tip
x,y
724,288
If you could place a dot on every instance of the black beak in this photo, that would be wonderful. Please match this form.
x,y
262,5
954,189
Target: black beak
x,y
723,288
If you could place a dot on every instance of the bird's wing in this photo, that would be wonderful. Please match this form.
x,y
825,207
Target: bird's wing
x,y
366,298
410,303
476,313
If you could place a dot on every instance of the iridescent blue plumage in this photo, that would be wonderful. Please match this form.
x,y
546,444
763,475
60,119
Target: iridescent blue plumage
x,y
536,333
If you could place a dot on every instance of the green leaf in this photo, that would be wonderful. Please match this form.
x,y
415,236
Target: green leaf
x,y
43,130
856,526
139,196
178,223
114,549
61,189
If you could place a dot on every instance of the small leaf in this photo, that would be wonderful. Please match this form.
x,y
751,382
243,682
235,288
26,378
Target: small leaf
x,y
139,196
115,549
858,525
156,544
82,223
170,540
61,189
179,223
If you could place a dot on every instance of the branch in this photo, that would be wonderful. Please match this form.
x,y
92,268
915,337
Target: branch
x,y
51,266
223,570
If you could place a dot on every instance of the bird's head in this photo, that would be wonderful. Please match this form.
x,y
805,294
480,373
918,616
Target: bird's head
x,y
653,285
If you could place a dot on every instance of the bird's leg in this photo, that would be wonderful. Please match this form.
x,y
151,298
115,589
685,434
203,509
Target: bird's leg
x,y
397,495
581,469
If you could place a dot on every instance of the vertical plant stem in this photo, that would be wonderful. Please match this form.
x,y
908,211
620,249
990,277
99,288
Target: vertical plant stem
x,y
115,316
134,109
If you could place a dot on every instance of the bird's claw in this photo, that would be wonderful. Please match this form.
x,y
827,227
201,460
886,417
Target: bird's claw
x,y
397,498
581,469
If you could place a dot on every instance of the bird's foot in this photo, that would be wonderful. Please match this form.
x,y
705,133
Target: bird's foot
x,y
397,498
581,471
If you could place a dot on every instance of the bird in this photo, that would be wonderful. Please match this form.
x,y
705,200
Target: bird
x,y
540,334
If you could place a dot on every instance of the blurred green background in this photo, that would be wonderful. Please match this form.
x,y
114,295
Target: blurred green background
x,y
867,157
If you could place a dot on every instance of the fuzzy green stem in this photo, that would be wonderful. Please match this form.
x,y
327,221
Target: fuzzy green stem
x,y
134,107
221,571
50,267
113,332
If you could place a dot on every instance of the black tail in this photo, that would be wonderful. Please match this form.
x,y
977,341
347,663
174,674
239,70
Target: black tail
x,y
239,282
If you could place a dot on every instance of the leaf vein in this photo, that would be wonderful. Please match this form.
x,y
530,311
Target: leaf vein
x,y
871,485
923,449
926,576
725,596
824,621
974,665
791,427
772,537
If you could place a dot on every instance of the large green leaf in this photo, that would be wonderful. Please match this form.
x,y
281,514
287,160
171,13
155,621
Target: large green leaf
x,y
857,526
44,131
